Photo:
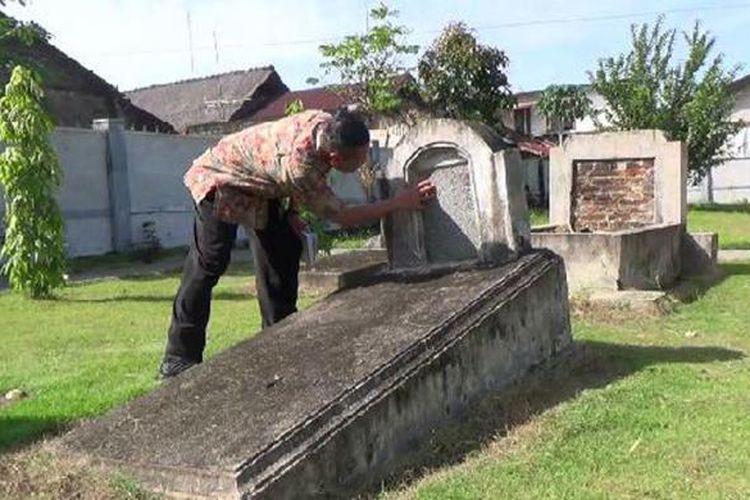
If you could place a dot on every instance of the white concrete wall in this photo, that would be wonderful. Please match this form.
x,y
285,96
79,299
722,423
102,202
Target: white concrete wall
x,y
538,123
731,180
587,124
83,196
156,165
742,105
731,183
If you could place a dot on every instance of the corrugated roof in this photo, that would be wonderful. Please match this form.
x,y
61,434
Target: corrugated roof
x,y
739,83
211,99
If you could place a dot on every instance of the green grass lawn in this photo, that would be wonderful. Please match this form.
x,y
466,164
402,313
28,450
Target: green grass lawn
x,y
732,222
660,409
669,418
99,345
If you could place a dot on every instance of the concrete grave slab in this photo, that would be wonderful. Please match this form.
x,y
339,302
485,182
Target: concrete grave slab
x,y
480,214
335,398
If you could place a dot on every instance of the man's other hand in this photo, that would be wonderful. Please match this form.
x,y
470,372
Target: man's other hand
x,y
416,196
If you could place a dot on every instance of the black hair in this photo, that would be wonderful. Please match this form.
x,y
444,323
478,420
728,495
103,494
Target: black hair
x,y
348,131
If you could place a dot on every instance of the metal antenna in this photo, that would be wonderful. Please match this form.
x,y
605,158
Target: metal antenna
x,y
190,42
367,17
216,49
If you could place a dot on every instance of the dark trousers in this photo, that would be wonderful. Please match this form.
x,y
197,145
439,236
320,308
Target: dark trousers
x,y
276,253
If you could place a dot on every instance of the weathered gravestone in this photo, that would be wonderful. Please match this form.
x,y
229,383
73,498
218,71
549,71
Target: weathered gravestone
x,y
480,214
333,399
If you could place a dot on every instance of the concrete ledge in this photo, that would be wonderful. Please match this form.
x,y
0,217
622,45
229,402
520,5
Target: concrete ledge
x,y
333,399
652,302
344,270
699,252
655,302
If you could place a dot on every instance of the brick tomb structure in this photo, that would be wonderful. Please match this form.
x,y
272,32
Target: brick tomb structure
x,y
618,207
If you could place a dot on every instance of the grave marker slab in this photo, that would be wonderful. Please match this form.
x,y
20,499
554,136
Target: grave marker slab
x,y
480,214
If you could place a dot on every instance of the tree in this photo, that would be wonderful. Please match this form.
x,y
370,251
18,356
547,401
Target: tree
x,y
463,79
370,66
13,32
690,100
563,104
30,174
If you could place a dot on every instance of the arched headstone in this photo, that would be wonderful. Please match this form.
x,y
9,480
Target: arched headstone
x,y
480,213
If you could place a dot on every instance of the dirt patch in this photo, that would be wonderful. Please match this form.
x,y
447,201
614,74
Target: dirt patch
x,y
38,472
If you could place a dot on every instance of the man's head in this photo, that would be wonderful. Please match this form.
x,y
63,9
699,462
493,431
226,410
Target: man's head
x,y
349,141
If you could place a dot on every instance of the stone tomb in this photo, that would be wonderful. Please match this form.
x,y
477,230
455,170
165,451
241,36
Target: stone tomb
x,y
334,399
480,214
618,205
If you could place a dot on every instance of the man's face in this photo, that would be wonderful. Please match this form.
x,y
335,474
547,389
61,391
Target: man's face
x,y
351,160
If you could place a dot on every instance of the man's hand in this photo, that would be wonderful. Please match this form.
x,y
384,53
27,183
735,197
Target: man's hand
x,y
417,196
409,199
298,225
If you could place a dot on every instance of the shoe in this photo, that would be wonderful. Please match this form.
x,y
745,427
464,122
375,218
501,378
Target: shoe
x,y
172,366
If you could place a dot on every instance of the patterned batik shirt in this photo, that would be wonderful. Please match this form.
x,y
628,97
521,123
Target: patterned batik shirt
x,y
272,160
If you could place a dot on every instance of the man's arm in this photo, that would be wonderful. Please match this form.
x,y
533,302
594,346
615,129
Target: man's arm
x,y
409,199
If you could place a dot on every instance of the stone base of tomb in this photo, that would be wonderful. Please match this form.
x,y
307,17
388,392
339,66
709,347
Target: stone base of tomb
x,y
342,270
646,258
336,398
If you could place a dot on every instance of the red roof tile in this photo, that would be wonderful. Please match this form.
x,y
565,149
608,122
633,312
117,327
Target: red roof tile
x,y
316,98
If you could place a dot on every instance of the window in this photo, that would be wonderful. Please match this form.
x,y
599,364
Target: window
x,y
522,120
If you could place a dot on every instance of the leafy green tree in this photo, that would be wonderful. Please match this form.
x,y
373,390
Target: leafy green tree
x,y
30,174
370,66
563,104
690,100
460,78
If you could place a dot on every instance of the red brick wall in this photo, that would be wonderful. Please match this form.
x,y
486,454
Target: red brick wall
x,y
611,195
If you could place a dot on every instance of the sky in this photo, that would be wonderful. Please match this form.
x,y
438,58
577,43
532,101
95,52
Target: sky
x,y
136,43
